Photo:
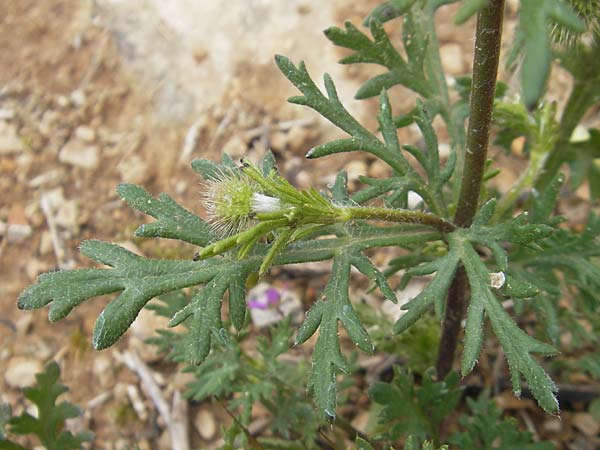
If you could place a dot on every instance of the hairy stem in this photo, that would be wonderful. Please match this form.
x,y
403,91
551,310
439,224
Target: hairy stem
x,y
485,70
400,216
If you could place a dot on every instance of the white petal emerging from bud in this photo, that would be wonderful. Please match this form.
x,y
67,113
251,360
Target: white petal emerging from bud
x,y
497,279
264,204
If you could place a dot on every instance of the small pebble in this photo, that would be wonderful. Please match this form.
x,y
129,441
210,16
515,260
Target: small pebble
x,y
79,154
134,169
205,424
20,371
379,169
10,142
85,133
452,58
356,168
235,147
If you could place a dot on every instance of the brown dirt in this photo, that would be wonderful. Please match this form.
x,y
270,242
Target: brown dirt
x,y
61,71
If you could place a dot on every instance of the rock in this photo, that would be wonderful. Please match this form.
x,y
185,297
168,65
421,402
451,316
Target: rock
x,y
297,138
553,425
517,145
79,154
355,169
205,424
85,133
303,180
36,266
586,423
134,169
200,54
444,150
51,176
452,59
20,371
48,123
143,328
235,147
45,243
7,114
78,98
181,187
103,370
23,323
67,216
414,199
278,140
180,380
379,169
10,142
18,232
18,228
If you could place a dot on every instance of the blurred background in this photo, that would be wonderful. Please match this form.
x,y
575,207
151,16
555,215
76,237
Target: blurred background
x,y
94,93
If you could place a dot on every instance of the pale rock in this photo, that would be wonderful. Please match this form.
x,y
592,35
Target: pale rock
x,y
553,425
67,216
452,58
235,147
131,247
379,169
143,328
180,380
62,101
85,133
51,176
297,138
356,168
181,187
414,199
205,424
48,122
518,145
10,142
20,371
394,310
444,150
586,423
278,140
7,114
303,180
361,421
23,323
79,154
36,266
17,233
45,243
103,370
78,98
134,169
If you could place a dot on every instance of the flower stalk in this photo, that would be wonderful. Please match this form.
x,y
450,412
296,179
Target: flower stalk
x,y
485,71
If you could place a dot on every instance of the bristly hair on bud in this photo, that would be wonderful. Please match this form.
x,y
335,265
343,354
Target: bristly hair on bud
x,y
228,201
232,198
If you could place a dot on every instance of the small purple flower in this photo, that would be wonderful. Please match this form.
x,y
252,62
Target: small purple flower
x,y
269,297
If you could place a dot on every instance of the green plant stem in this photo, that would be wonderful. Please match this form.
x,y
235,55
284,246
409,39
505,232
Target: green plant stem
x,y
485,70
580,100
400,216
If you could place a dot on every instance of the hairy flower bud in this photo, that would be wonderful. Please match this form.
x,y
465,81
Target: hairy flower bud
x,y
232,199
